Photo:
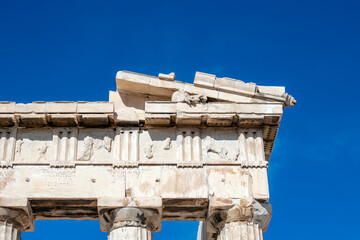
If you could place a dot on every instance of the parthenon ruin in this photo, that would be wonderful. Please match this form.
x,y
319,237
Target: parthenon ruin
x,y
159,149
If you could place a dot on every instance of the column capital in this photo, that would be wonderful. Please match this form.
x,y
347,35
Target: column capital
x,y
131,217
222,211
18,211
109,210
18,217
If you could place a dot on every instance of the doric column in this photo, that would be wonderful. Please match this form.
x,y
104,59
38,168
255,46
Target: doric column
x,y
132,223
240,231
12,223
244,221
9,230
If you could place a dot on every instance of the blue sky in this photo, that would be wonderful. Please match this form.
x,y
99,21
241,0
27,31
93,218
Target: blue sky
x,y
71,50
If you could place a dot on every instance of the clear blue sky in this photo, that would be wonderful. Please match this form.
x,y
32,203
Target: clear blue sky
x,y
71,50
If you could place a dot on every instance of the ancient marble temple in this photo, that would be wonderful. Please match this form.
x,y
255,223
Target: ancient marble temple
x,y
158,150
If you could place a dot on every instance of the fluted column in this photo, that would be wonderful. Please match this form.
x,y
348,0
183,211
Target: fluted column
x,y
9,230
133,232
244,221
12,223
240,231
132,223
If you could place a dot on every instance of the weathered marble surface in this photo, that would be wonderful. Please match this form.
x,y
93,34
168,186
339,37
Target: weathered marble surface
x,y
158,150
9,231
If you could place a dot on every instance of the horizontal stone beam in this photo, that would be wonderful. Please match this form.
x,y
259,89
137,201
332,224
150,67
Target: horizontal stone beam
x,y
57,114
145,186
56,107
212,114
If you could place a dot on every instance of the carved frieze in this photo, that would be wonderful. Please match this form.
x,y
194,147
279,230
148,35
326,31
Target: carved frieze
x,y
167,143
158,145
211,150
86,152
96,145
92,145
175,145
148,150
33,146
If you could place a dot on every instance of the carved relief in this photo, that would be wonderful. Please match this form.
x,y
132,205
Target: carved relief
x,y
211,150
106,144
158,145
18,146
30,150
233,155
148,150
86,151
90,144
183,96
209,147
167,144
41,151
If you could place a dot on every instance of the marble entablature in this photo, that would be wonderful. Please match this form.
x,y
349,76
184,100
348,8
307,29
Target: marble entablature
x,y
181,151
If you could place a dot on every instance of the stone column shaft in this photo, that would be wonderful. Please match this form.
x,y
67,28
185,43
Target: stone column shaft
x,y
131,233
240,231
9,230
